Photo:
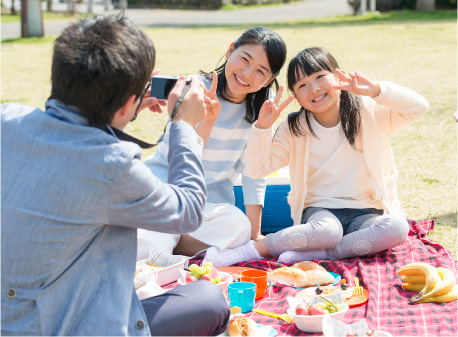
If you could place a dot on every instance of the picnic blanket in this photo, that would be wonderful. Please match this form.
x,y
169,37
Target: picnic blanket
x,y
387,308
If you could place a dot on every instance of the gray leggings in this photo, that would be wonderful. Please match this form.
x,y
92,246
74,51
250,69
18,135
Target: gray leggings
x,y
343,233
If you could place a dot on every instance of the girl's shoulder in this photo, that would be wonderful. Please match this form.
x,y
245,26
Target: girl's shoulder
x,y
297,117
300,114
295,124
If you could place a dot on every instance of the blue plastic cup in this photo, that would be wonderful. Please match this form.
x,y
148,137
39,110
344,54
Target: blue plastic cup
x,y
242,294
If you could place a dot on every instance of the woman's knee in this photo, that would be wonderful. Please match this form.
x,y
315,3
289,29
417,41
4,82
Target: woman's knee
x,y
241,220
225,226
238,223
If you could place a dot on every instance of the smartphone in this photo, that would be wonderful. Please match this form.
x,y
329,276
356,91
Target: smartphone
x,y
162,85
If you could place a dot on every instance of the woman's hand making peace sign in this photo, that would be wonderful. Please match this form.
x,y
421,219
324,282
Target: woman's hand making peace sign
x,y
212,103
357,83
270,110
213,109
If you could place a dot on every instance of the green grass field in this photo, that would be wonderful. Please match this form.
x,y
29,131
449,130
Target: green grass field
x,y
47,16
417,50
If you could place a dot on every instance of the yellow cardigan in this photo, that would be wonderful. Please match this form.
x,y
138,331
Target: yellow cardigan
x,y
395,107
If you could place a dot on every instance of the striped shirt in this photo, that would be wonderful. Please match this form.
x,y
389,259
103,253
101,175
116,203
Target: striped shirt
x,y
222,157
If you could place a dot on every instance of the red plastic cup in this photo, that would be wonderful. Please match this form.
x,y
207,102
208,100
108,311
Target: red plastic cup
x,y
259,277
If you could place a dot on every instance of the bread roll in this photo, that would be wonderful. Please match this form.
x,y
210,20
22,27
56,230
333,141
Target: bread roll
x,y
308,265
242,326
318,276
299,278
291,276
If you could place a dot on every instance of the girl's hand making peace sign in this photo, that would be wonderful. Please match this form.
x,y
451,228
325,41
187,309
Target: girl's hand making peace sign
x,y
270,110
212,103
357,83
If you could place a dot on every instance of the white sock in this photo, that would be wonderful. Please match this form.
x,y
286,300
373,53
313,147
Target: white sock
x,y
231,256
291,256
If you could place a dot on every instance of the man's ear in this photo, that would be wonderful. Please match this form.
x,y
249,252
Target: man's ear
x,y
124,113
229,50
126,108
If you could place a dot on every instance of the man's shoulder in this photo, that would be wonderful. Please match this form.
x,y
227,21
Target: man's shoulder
x,y
14,110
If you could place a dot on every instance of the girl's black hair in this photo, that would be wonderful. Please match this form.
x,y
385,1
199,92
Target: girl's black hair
x,y
308,62
275,49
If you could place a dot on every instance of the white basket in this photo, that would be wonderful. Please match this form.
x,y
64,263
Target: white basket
x,y
168,274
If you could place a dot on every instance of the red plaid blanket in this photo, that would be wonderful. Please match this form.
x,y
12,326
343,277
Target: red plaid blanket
x,y
387,309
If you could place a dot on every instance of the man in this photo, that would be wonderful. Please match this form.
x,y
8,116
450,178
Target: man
x,y
73,196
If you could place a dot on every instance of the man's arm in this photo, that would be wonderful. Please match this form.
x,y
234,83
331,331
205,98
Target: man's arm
x,y
141,200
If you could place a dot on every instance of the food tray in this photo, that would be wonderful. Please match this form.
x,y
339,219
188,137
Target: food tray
x,y
168,274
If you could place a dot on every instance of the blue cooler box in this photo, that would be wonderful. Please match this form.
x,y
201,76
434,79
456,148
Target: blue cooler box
x,y
276,213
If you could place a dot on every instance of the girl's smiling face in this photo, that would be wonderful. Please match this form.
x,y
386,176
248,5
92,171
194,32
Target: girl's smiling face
x,y
316,94
247,70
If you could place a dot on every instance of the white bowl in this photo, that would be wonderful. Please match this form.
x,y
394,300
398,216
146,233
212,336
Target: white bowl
x,y
314,323
226,278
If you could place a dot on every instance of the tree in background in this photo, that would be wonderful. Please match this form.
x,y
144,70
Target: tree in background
x,y
425,5
31,18
71,9
420,5
13,9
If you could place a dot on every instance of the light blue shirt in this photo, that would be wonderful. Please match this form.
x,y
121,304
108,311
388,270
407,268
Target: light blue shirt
x,y
223,157
73,197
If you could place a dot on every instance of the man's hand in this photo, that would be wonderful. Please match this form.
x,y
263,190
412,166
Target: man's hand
x,y
192,107
152,103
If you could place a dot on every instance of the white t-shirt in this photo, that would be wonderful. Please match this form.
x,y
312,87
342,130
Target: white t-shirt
x,y
337,177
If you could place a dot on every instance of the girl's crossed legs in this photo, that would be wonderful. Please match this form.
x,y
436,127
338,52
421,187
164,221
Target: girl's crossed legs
x,y
325,234
365,232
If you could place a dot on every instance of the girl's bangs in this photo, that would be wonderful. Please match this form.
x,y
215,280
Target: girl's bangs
x,y
311,64
307,63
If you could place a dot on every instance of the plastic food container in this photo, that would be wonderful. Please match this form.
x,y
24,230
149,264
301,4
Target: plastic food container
x,y
168,274
276,213
226,278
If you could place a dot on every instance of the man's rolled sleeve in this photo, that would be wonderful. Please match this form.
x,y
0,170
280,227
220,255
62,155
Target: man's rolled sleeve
x,y
175,207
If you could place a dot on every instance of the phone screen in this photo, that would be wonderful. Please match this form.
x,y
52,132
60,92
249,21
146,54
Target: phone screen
x,y
161,86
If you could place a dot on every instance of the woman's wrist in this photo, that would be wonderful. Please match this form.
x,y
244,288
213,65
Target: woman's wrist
x,y
260,126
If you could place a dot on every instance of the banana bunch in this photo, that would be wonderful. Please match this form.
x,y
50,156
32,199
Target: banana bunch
x,y
432,284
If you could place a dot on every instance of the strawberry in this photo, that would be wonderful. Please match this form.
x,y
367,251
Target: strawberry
x,y
302,309
316,310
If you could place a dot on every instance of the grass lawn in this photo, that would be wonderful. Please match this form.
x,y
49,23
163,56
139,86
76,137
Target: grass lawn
x,y
418,50
47,16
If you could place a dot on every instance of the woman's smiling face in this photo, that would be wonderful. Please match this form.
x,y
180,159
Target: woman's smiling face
x,y
247,71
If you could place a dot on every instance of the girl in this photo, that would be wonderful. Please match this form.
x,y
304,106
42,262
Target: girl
x,y
343,176
241,85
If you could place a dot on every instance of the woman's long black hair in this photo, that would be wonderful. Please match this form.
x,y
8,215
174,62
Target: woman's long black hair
x,y
308,62
275,49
